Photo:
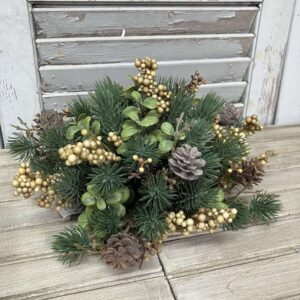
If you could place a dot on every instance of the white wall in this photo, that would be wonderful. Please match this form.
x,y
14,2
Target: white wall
x,y
19,94
288,110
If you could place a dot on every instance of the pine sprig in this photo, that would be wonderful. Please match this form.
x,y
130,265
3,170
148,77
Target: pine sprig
x,y
156,194
71,244
230,149
22,146
212,167
107,105
105,222
70,184
108,178
264,207
151,225
200,134
242,218
208,107
80,106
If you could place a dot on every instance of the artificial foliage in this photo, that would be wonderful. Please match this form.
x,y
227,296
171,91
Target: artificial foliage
x,y
136,164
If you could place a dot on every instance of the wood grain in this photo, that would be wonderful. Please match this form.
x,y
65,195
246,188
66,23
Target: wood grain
x,y
208,252
114,21
156,288
46,278
273,278
230,91
83,77
90,50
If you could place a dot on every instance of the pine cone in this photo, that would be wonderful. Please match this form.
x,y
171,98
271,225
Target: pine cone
x,y
186,163
252,172
122,251
229,115
48,119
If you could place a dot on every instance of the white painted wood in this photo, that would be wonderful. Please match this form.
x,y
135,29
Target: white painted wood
x,y
46,278
112,21
288,108
156,288
273,278
19,95
230,91
83,77
119,50
269,58
149,1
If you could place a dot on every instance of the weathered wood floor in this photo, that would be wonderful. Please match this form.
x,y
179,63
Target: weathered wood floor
x,y
260,262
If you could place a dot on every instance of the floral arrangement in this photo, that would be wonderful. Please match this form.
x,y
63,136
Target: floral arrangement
x,y
140,163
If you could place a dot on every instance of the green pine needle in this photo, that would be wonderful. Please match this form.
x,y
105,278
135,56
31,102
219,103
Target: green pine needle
x,y
230,149
107,105
156,194
105,222
151,225
22,146
194,195
264,207
108,178
70,185
200,134
212,167
80,106
242,217
208,107
71,244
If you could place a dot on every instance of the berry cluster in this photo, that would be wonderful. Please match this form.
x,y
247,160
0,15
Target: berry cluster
x,y
205,219
116,139
252,124
26,182
88,150
142,162
145,81
219,131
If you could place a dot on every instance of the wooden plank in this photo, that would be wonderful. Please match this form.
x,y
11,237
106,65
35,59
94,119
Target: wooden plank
x,y
116,21
205,2
231,92
83,77
23,213
125,49
219,250
269,58
273,278
149,289
18,81
48,278
288,109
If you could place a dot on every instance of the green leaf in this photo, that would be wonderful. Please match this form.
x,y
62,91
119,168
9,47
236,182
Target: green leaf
x,y
129,129
101,204
122,149
220,196
121,211
83,220
159,135
125,194
165,146
182,136
96,127
71,131
151,139
81,116
150,103
91,190
136,96
85,123
131,112
87,199
115,198
217,205
151,118
167,128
